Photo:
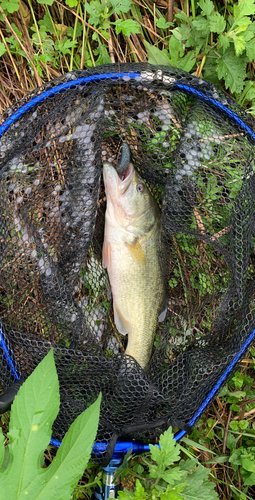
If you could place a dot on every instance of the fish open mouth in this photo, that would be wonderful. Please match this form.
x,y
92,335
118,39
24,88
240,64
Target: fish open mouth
x,y
126,178
125,174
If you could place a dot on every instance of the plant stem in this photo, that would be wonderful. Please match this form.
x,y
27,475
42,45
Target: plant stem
x,y
39,81
38,34
193,10
91,54
74,35
84,37
11,58
55,32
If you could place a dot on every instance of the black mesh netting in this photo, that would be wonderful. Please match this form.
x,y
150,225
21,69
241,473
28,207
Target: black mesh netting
x,y
199,165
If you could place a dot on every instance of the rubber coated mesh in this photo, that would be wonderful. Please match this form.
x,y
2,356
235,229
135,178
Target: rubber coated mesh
x,y
199,164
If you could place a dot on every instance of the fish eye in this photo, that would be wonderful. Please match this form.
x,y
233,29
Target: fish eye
x,y
140,187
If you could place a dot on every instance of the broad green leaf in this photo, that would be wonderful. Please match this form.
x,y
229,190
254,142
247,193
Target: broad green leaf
x,y
61,477
169,451
239,45
103,56
46,23
250,95
201,24
175,50
217,23
33,412
10,6
248,463
183,17
188,61
250,50
96,11
71,3
139,493
242,9
162,24
233,70
172,475
250,481
231,441
34,409
155,55
120,6
224,40
127,27
206,6
46,2
198,487
2,49
1,447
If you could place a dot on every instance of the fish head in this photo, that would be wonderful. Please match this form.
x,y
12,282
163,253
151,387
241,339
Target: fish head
x,y
129,200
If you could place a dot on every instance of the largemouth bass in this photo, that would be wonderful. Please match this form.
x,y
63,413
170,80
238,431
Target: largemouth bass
x,y
131,254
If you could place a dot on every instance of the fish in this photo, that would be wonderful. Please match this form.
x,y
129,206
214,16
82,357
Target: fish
x,y
131,255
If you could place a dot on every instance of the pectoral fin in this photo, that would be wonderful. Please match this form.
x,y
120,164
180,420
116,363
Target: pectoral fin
x,y
137,252
106,262
163,312
121,324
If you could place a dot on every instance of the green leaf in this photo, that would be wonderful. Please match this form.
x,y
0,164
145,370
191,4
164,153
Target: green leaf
x,y
206,6
172,475
33,412
1,447
34,409
188,61
217,23
162,24
139,493
224,42
248,464
250,481
199,446
198,487
155,55
71,3
103,56
250,50
46,24
167,454
175,50
59,480
241,10
96,11
127,27
10,6
46,2
250,95
120,6
231,441
202,24
232,69
2,49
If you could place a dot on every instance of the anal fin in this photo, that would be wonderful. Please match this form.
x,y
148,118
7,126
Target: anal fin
x,y
162,315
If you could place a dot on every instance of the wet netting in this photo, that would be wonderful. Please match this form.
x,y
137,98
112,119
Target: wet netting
x,y
194,149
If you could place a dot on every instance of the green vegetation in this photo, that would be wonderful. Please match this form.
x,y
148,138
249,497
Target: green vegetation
x,y
33,412
165,479
40,39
